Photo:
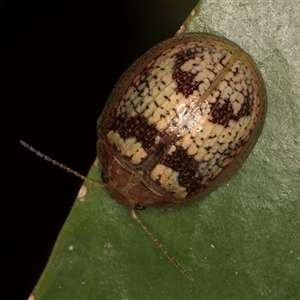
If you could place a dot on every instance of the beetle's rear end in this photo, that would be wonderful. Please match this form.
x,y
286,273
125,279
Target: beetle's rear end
x,y
180,121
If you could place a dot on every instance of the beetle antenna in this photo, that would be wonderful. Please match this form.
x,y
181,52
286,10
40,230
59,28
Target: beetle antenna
x,y
58,164
163,249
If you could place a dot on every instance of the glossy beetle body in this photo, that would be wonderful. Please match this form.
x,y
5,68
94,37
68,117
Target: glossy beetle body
x,y
180,121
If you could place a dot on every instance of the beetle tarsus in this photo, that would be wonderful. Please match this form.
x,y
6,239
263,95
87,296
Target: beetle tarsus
x,y
139,207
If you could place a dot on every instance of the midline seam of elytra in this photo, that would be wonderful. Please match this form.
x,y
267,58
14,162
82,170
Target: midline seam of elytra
x,y
216,81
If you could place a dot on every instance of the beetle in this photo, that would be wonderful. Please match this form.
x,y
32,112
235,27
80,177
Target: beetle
x,y
180,121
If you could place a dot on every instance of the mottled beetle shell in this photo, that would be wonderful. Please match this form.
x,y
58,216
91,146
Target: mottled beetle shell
x,y
180,121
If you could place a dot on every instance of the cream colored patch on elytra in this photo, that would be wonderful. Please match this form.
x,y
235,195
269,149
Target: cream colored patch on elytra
x,y
172,149
82,192
168,180
128,147
31,297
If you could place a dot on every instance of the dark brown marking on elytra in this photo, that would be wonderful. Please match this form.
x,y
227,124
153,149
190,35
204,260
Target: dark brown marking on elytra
x,y
187,167
185,80
222,111
137,127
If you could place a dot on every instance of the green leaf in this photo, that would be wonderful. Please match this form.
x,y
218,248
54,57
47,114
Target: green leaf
x,y
243,240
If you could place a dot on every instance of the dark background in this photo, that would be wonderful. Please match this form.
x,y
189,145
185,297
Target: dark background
x,y
59,63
